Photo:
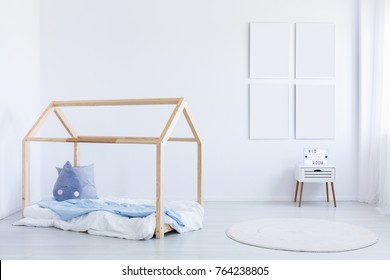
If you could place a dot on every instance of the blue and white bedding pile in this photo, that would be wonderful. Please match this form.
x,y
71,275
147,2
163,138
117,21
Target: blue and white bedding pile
x,y
122,218
76,207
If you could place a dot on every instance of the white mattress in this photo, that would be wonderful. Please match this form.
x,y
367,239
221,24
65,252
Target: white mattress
x,y
107,224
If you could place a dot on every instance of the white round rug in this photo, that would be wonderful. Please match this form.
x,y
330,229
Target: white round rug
x,y
303,235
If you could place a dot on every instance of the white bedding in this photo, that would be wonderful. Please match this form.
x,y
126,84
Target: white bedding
x,y
107,224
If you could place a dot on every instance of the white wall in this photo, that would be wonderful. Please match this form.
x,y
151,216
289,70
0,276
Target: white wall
x,y
199,50
19,95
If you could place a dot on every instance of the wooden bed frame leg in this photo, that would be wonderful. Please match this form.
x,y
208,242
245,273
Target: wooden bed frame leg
x,y
25,174
76,155
200,173
160,192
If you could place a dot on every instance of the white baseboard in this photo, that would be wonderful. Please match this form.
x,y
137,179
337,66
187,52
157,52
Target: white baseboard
x,y
278,198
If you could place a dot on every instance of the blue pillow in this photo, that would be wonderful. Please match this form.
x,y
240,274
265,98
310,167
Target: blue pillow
x,y
67,185
87,180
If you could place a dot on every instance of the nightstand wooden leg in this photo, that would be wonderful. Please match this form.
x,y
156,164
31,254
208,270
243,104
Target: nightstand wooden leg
x,y
296,192
327,192
300,196
334,195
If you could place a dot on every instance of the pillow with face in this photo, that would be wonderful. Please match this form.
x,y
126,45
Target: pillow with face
x,y
87,180
67,185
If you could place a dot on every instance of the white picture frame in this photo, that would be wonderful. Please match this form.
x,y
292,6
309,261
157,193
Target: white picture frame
x,y
269,50
315,112
315,50
269,111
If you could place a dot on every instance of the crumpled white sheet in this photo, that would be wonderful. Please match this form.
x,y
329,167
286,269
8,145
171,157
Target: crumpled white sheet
x,y
107,224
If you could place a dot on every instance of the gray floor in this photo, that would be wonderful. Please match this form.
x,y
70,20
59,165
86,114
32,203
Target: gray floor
x,y
208,243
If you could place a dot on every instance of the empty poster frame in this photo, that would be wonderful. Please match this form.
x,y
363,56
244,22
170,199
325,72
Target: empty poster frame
x,y
315,112
269,50
315,50
269,111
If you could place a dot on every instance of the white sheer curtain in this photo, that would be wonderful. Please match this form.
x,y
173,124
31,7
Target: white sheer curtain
x,y
374,104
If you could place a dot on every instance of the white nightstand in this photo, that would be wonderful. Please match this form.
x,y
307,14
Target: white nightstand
x,y
310,174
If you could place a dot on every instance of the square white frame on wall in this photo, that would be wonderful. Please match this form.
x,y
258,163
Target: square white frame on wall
x,y
315,112
315,50
269,50
269,111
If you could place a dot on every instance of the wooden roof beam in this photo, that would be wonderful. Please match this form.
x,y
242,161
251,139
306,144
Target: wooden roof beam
x,y
69,128
41,120
191,123
172,121
118,102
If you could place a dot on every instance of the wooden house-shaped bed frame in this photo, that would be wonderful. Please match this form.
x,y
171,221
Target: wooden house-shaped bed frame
x,y
181,107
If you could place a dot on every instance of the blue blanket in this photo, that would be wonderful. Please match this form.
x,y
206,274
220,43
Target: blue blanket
x,y
73,208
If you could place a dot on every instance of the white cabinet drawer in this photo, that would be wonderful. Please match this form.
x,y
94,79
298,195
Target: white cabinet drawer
x,y
315,174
